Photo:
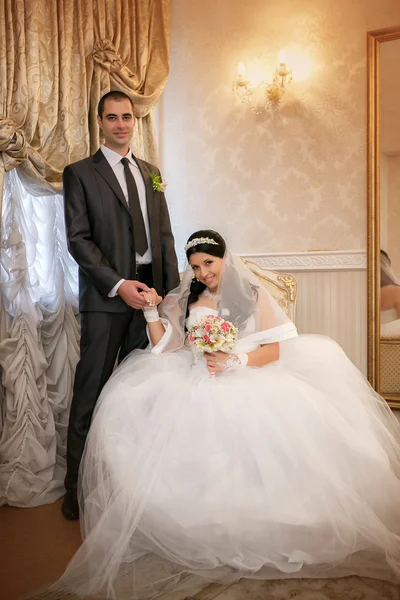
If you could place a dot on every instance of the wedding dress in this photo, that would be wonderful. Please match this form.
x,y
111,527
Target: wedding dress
x,y
289,470
390,322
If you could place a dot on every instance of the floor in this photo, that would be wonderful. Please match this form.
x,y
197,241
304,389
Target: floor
x,y
36,545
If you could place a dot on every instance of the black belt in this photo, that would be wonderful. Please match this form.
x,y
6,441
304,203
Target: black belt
x,y
143,269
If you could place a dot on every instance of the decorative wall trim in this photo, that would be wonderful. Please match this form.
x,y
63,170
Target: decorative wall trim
x,y
332,260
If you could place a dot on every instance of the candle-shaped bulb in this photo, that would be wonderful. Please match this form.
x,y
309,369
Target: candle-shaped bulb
x,y
241,69
282,57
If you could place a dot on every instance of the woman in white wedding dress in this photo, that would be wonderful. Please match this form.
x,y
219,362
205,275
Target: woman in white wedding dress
x,y
285,464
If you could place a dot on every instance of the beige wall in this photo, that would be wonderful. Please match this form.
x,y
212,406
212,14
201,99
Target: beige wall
x,y
383,200
297,180
390,208
393,221
390,97
390,151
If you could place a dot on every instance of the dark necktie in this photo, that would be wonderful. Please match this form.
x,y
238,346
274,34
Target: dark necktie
x,y
139,231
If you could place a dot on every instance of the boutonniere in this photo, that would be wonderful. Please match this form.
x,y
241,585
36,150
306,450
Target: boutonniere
x,y
156,182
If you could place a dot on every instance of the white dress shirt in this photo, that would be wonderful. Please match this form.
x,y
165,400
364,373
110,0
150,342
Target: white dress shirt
x,y
114,160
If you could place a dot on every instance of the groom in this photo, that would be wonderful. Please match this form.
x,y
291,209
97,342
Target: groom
x,y
119,233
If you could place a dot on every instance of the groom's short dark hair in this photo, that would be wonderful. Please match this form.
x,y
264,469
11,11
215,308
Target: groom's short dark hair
x,y
115,95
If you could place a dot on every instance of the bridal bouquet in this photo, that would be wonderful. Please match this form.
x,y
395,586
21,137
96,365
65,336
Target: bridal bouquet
x,y
213,334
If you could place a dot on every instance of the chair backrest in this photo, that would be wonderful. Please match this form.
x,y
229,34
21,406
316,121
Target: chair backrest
x,y
281,286
390,364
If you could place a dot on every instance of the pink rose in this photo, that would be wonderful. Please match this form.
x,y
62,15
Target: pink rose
x,y
207,327
225,327
191,338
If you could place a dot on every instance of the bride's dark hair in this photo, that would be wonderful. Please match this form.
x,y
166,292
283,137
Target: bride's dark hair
x,y
218,249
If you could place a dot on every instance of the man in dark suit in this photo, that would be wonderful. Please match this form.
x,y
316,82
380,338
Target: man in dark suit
x,y
119,233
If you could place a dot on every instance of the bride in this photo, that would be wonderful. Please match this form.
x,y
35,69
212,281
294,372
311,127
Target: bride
x,y
286,463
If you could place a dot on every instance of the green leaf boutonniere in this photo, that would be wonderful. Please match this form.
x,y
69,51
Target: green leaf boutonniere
x,y
156,182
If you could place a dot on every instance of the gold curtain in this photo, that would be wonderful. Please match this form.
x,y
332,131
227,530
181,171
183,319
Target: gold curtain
x,y
139,69
57,58
44,86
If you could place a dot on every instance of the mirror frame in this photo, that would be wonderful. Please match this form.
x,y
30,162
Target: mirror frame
x,y
374,40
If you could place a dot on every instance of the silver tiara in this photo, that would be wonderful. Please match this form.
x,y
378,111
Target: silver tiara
x,y
197,241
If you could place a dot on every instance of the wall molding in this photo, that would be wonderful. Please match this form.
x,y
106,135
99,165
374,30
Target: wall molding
x,y
330,260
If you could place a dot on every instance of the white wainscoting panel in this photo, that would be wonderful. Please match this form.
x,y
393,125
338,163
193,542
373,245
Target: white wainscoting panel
x,y
331,295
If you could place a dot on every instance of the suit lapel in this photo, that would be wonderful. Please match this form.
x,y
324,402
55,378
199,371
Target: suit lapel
x,y
102,166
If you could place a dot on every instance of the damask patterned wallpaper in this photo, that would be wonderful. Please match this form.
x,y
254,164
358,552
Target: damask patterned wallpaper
x,y
295,181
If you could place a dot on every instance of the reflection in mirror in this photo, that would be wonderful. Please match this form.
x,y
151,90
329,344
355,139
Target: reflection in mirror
x,y
389,217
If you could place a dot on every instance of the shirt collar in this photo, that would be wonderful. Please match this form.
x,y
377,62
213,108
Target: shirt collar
x,y
114,158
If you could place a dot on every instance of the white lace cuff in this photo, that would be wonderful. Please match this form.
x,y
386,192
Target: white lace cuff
x,y
151,314
235,361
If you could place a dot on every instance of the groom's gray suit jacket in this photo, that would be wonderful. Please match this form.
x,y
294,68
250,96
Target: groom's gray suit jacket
x,y
100,233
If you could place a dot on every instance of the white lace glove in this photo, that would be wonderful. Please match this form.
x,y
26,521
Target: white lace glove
x,y
151,314
235,361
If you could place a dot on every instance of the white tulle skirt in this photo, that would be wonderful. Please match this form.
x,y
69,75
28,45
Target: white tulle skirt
x,y
290,470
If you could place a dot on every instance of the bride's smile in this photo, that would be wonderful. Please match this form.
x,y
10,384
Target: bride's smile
x,y
207,269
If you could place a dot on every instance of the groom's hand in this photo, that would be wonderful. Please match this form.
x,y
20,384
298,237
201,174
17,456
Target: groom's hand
x,y
129,291
151,297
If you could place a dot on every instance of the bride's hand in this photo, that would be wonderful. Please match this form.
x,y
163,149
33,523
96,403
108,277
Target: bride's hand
x,y
151,297
221,361
216,361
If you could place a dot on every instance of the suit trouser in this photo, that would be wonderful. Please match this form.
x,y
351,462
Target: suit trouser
x,y
104,337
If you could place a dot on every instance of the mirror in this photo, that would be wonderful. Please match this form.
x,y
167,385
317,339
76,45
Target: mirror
x,y
384,213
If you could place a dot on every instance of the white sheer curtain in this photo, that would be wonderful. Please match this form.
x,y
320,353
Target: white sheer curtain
x,y
39,342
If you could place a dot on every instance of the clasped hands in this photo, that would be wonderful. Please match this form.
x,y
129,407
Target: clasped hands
x,y
138,295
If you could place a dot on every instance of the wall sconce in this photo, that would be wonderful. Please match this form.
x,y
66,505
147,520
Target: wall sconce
x,y
271,93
